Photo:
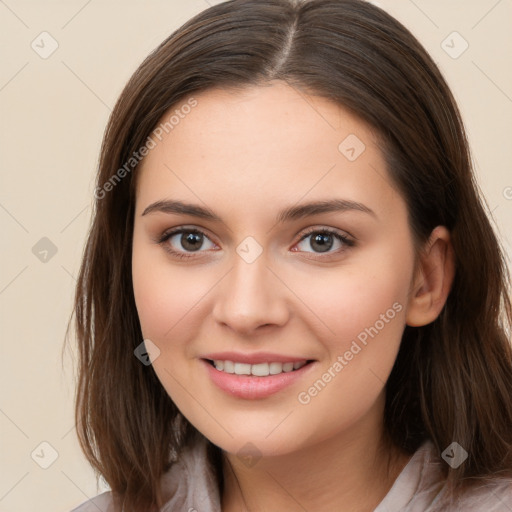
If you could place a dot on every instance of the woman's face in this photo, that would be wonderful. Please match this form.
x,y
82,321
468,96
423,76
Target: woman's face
x,y
260,273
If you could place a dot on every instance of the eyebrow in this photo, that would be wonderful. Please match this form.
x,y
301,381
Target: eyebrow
x,y
288,214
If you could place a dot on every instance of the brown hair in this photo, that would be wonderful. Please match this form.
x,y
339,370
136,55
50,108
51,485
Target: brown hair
x,y
452,378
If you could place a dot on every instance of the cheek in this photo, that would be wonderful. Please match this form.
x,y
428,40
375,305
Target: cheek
x,y
356,300
165,294
368,323
363,306
156,305
167,302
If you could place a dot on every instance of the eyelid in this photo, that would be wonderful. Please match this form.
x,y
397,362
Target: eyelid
x,y
168,233
347,241
308,231
324,229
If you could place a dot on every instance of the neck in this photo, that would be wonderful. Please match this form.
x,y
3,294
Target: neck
x,y
351,471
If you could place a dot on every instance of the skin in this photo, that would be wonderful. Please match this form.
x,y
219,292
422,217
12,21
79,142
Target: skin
x,y
246,155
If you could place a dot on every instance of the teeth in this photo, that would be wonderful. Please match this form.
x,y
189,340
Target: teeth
x,y
242,369
259,370
275,368
287,367
229,366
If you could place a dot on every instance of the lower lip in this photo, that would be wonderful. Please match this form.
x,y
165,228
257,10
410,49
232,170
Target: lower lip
x,y
250,387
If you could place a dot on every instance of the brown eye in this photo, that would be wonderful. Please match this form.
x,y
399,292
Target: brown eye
x,y
191,241
182,241
323,240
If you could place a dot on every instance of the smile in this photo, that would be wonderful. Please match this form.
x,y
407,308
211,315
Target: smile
x,y
258,380
258,370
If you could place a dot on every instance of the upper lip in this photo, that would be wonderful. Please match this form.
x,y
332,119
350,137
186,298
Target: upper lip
x,y
255,358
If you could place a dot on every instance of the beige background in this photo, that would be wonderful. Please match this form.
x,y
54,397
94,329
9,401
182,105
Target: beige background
x,y
53,112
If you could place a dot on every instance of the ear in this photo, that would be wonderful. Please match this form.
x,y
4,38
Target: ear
x,y
433,279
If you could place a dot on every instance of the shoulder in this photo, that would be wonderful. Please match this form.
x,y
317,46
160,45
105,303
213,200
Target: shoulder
x,y
101,503
190,484
421,487
493,496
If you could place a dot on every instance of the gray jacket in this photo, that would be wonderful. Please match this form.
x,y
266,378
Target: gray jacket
x,y
418,488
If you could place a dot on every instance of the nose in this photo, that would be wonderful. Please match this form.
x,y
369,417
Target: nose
x,y
250,297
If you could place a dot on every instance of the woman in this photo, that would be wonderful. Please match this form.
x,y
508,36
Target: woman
x,y
291,296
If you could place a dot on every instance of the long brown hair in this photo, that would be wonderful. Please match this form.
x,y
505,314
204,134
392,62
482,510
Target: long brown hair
x,y
452,379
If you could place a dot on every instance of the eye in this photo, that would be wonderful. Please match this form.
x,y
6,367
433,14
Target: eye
x,y
323,241
184,242
181,241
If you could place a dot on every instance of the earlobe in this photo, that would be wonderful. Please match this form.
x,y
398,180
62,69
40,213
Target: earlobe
x,y
433,280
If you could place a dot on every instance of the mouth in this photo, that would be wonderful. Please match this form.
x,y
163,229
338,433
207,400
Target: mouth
x,y
258,380
263,369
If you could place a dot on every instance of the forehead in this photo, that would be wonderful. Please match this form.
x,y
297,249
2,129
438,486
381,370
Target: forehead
x,y
260,146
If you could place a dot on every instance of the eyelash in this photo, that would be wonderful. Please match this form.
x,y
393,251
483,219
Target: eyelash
x,y
184,255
